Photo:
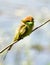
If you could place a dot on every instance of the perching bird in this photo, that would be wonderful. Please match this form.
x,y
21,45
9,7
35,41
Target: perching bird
x,y
25,29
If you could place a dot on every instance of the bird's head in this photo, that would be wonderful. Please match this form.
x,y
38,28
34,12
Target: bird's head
x,y
28,19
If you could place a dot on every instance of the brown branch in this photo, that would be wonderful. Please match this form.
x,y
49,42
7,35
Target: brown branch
x,y
20,39
40,25
8,47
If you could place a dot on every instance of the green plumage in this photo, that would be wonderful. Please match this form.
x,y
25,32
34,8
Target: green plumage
x,y
24,30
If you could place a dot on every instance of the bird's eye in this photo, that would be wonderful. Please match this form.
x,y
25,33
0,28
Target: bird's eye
x,y
28,21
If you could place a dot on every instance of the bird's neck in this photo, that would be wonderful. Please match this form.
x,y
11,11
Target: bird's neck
x,y
30,24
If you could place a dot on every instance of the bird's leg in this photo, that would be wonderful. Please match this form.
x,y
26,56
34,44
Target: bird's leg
x,y
10,47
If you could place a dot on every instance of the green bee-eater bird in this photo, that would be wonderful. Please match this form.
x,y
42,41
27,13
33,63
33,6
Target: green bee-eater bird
x,y
25,29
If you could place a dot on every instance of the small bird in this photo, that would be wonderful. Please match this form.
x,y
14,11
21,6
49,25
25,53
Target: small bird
x,y
24,30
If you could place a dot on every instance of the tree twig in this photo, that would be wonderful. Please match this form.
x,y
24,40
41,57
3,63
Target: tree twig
x,y
20,39
40,25
7,47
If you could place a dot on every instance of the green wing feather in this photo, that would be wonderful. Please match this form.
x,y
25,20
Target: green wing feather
x,y
21,32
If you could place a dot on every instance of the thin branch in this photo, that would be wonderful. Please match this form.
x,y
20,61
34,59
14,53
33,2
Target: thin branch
x,y
7,47
40,25
20,39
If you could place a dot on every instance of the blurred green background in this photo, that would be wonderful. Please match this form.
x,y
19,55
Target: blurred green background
x,y
33,49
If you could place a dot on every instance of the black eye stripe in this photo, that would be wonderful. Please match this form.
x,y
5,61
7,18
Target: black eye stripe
x,y
28,21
